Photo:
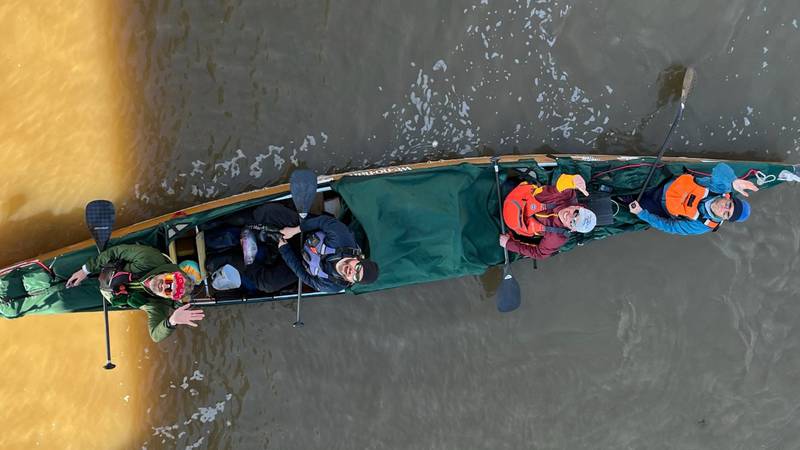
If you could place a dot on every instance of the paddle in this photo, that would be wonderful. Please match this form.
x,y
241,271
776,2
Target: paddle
x,y
303,184
100,220
688,82
508,294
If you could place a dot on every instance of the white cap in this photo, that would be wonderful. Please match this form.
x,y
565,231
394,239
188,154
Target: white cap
x,y
586,220
225,278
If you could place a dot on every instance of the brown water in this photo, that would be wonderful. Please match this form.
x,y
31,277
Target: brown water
x,y
648,341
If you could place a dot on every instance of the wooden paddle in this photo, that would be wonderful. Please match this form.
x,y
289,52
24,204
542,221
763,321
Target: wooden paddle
x,y
508,294
100,217
303,185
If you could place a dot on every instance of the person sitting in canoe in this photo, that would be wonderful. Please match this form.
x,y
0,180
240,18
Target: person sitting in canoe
x,y
141,277
688,205
548,212
330,259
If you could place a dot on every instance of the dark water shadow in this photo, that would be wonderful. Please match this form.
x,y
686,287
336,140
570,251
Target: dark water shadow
x,y
37,234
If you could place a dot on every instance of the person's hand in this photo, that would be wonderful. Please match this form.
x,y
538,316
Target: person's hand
x,y
186,316
76,278
504,240
742,186
635,208
288,232
580,184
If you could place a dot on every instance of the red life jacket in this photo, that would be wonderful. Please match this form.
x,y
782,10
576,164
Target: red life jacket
x,y
521,212
682,198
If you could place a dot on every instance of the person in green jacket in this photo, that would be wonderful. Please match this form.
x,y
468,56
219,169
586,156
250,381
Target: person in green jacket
x,y
141,277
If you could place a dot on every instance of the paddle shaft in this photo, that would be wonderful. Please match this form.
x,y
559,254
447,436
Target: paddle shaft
x,y
303,185
500,210
686,87
299,323
660,152
100,217
508,294
109,365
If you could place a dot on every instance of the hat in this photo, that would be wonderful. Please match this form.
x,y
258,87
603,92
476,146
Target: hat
x,y
225,278
192,269
371,272
741,210
586,220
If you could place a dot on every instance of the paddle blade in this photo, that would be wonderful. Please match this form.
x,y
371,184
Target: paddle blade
x,y
100,217
303,184
508,294
688,82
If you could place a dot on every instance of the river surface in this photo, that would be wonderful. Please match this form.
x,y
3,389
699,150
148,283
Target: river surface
x,y
643,342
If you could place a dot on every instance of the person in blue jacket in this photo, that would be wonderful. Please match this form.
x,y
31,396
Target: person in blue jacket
x,y
329,260
690,205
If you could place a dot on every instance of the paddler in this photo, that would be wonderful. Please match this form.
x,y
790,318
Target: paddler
x,y
550,213
141,277
330,259
689,205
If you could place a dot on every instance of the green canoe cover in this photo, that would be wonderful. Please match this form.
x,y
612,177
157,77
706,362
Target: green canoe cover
x,y
426,225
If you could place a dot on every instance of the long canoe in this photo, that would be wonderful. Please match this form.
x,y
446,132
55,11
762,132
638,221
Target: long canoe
x,y
420,222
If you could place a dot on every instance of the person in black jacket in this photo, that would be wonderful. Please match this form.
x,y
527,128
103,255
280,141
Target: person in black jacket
x,y
330,259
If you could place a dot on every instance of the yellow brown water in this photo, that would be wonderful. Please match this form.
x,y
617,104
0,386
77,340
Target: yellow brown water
x,y
64,140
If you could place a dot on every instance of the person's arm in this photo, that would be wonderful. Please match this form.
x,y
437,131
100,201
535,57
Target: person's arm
x,y
337,234
547,246
568,182
724,180
721,179
139,257
674,226
563,192
158,321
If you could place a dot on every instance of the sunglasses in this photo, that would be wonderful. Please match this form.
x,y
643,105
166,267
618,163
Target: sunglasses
x,y
359,273
169,280
574,222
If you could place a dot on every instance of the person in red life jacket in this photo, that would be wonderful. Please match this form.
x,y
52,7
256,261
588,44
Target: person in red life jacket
x,y
548,212
141,277
690,205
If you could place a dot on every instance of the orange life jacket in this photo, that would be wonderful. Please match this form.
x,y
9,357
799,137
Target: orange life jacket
x,y
521,212
682,198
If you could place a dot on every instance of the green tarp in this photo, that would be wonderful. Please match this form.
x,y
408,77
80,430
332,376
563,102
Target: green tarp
x,y
428,224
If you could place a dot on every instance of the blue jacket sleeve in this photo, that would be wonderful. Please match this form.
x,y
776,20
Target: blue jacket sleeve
x,y
337,235
296,264
721,180
674,226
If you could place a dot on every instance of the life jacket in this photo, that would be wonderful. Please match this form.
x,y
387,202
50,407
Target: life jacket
x,y
316,254
682,198
522,211
113,280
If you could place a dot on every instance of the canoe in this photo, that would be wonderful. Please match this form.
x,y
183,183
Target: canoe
x,y
420,222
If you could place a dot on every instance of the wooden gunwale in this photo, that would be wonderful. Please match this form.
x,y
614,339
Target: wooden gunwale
x,y
326,179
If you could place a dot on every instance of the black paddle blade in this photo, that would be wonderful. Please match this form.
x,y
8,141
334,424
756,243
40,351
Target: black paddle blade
x,y
303,184
100,220
508,294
